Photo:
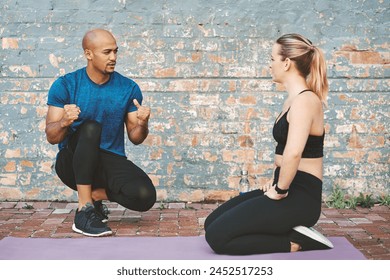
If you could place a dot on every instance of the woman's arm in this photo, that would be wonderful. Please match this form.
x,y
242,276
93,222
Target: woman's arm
x,y
300,118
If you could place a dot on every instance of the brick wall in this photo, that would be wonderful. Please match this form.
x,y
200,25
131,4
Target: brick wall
x,y
203,68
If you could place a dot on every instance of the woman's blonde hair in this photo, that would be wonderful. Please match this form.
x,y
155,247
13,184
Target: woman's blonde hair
x,y
309,60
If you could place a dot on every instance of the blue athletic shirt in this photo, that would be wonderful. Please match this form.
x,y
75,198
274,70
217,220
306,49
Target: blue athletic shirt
x,y
108,104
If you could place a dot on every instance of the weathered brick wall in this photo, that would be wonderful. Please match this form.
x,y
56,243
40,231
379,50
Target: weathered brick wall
x,y
203,68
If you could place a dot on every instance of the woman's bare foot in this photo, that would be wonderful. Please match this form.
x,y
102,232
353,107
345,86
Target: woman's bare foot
x,y
295,247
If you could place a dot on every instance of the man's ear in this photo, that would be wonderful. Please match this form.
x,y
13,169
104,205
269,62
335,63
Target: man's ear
x,y
88,54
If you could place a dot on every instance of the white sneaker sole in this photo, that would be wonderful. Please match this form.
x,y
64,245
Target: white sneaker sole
x,y
75,229
313,234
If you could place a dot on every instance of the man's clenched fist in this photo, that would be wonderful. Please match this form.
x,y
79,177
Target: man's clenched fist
x,y
71,113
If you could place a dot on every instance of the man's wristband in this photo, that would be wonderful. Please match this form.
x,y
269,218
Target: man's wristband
x,y
280,191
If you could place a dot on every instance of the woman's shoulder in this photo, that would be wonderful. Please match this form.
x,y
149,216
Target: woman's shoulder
x,y
306,103
308,98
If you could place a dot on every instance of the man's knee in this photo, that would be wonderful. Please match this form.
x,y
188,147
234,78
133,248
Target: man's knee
x,y
147,198
91,129
140,200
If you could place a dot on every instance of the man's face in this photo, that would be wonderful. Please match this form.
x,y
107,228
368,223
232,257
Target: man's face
x,y
103,54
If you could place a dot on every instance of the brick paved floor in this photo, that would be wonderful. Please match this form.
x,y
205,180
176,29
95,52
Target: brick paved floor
x,y
367,229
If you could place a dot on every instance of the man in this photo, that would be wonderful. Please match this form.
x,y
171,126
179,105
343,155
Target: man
x,y
88,110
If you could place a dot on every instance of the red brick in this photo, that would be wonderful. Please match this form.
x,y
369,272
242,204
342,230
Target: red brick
x,y
9,43
366,57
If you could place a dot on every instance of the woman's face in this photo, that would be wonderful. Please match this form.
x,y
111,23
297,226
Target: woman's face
x,y
277,64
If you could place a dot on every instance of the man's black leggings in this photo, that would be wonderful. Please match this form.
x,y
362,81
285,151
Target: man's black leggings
x,y
252,223
82,162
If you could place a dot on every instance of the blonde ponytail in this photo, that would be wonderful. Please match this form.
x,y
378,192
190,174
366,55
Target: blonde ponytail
x,y
310,62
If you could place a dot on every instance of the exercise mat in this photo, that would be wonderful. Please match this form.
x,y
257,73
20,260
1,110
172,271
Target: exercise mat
x,y
150,248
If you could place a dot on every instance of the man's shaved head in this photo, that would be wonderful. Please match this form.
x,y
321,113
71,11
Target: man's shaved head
x,y
90,38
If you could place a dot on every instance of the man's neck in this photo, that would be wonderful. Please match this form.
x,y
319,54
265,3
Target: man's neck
x,y
96,77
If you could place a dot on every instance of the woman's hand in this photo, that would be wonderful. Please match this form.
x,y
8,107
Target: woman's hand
x,y
266,186
272,194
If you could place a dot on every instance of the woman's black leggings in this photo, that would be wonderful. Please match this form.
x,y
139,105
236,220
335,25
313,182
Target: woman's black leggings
x,y
252,223
82,162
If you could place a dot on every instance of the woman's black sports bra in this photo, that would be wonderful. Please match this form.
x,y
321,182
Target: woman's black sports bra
x,y
314,147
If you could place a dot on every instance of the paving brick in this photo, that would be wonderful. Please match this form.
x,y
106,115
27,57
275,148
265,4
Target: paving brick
x,y
42,233
42,214
116,212
65,235
360,221
59,205
381,257
359,235
187,232
53,221
126,232
375,217
344,223
41,205
325,221
14,221
127,220
378,250
23,233
62,211
180,205
5,204
72,205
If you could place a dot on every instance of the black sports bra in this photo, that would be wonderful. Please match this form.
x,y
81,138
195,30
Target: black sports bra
x,y
314,147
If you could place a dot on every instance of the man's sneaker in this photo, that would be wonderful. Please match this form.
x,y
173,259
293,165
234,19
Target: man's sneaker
x,y
102,210
309,239
88,222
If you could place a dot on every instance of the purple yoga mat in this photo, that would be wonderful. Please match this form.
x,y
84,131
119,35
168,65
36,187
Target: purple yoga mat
x,y
150,248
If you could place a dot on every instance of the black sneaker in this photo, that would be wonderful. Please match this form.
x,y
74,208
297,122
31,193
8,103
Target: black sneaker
x,y
309,239
102,210
88,222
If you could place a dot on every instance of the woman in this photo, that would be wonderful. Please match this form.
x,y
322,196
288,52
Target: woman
x,y
277,217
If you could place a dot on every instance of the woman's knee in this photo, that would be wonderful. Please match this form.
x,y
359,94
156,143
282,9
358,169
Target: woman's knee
x,y
214,239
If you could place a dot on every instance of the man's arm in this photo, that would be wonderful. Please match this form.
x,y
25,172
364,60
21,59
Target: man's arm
x,y
137,124
58,121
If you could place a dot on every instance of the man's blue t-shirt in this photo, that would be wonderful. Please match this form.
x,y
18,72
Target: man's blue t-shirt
x,y
108,104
